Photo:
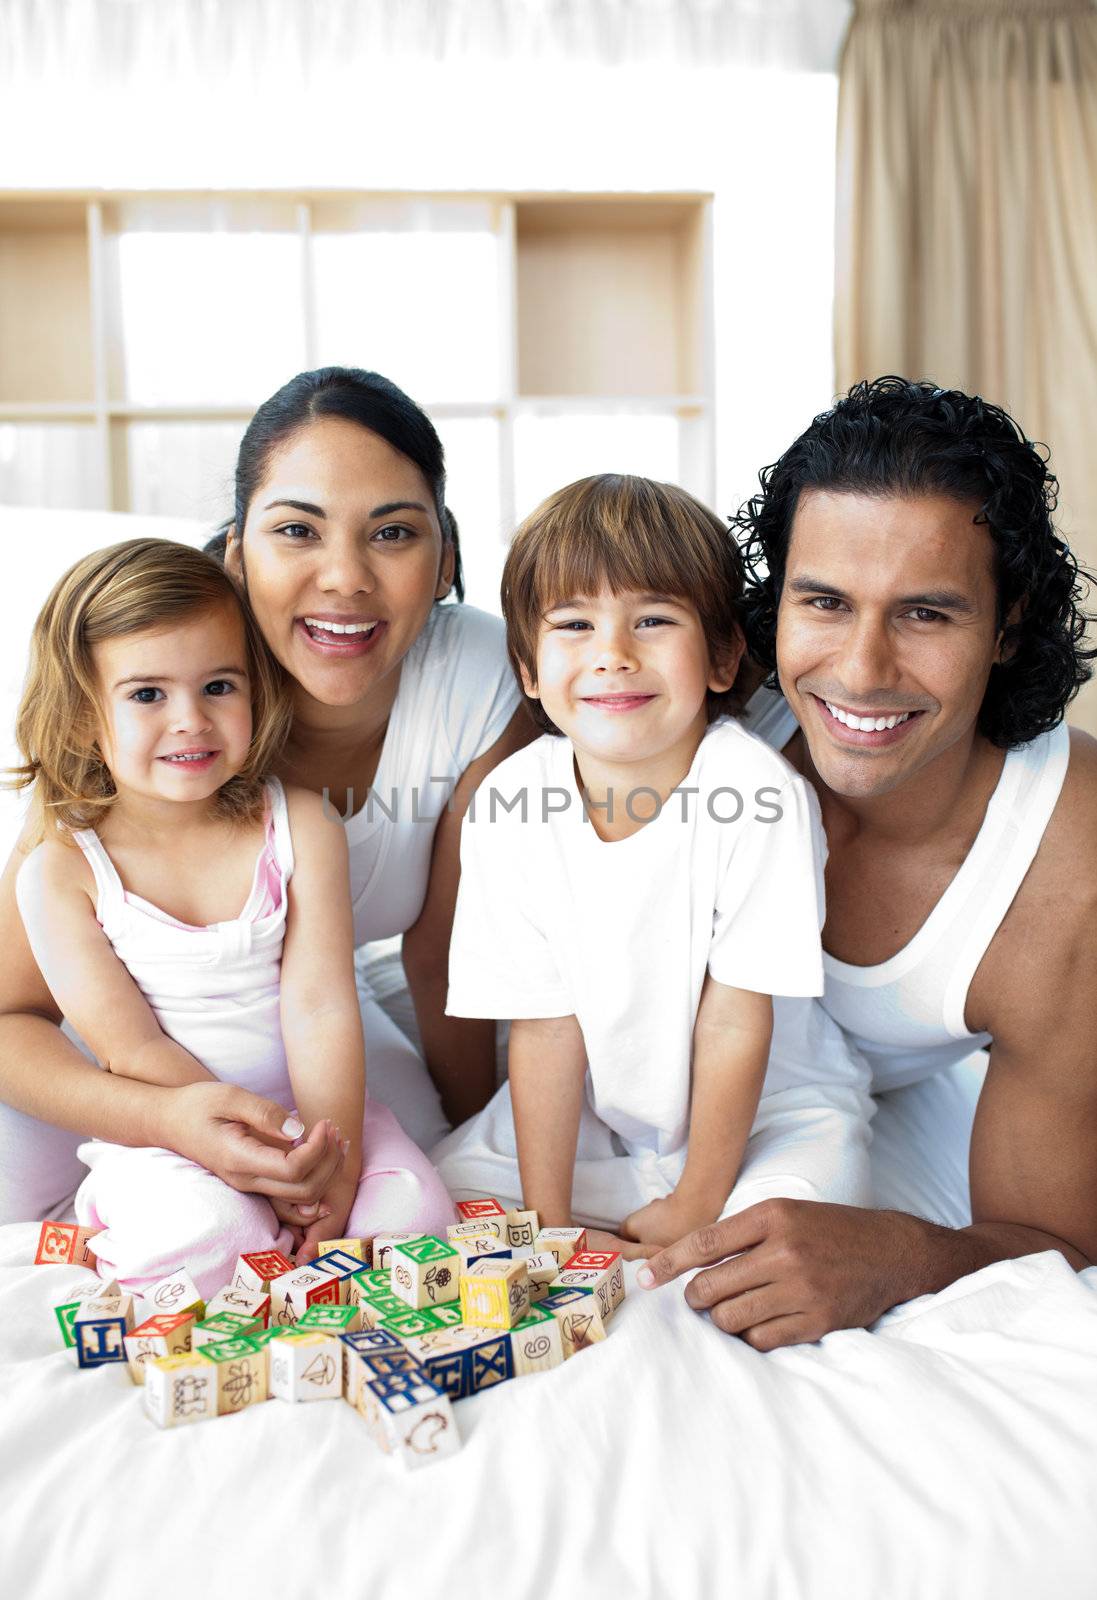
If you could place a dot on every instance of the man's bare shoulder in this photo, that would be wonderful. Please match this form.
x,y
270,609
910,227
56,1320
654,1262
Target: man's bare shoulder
x,y
1044,944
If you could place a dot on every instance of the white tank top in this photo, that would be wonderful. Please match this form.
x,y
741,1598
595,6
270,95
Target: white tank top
x,y
214,989
907,1014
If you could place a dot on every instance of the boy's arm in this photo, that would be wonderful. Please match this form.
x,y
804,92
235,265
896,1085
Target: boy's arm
x,y
90,985
731,1040
547,1069
321,1022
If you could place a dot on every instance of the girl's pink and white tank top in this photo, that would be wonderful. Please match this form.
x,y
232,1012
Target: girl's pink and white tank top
x,y
214,989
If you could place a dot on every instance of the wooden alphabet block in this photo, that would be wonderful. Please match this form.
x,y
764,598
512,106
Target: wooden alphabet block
x,y
406,1323
100,1333
180,1389
175,1294
154,1338
252,1303
481,1246
542,1271
374,1340
462,1360
482,1211
342,1265
361,1249
66,1312
563,1243
581,1320
537,1343
382,1248
522,1229
425,1272
294,1291
309,1368
413,1422
495,1294
226,1325
259,1270
241,1370
332,1320
602,1272
65,1244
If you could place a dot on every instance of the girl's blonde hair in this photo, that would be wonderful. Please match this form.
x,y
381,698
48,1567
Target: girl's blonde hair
x,y
622,533
132,587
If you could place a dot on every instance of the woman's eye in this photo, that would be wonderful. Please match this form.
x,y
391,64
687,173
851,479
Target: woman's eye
x,y
146,697
393,533
297,532
220,687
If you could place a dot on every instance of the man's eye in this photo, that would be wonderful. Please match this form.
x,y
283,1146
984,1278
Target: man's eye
x,y
825,602
220,687
146,697
927,614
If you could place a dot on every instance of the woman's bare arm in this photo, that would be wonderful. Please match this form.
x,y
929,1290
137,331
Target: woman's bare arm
x,y
460,1052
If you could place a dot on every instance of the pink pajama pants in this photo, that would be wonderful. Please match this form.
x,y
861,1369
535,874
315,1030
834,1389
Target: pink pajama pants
x,y
161,1213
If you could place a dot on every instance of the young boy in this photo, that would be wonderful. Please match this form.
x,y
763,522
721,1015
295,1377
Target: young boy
x,y
636,886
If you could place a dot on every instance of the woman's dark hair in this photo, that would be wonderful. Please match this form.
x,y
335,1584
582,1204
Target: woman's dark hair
x,y
894,436
357,396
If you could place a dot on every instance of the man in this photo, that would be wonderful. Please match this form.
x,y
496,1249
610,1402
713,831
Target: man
x,y
924,622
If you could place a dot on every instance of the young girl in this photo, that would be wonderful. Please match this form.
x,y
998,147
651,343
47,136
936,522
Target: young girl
x,y
191,917
636,886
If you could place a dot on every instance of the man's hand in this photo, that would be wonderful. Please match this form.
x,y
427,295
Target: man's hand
x,y
251,1144
800,1269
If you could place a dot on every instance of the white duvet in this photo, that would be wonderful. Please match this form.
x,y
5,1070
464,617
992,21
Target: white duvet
x,y
950,1454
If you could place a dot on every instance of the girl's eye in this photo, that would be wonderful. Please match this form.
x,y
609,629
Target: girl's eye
x,y
394,533
220,687
658,621
142,696
571,626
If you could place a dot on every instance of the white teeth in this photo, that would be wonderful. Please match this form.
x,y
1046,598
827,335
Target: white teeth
x,y
866,724
197,755
339,627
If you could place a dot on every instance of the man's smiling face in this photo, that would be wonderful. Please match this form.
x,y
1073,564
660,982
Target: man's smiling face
x,y
888,617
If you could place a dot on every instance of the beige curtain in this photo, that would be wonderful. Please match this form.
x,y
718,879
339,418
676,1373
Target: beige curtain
x,y
967,220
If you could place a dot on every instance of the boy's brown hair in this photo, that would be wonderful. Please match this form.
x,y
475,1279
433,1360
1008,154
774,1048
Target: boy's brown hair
x,y
134,587
622,533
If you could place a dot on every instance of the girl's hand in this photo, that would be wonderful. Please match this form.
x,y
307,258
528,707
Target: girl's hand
x,y
664,1222
335,1209
599,1240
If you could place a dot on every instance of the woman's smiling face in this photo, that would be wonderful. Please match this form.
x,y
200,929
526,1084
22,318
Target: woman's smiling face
x,y
342,530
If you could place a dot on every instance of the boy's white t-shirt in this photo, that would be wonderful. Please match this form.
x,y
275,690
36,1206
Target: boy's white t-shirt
x,y
553,921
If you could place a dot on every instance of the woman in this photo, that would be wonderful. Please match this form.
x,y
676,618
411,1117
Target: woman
x,y
343,541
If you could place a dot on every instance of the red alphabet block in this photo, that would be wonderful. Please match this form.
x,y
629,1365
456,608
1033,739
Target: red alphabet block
x,y
476,1210
590,1261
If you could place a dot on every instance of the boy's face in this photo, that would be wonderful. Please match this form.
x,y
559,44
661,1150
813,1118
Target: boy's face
x,y
624,675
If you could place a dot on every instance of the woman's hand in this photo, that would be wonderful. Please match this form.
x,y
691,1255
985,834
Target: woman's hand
x,y
251,1144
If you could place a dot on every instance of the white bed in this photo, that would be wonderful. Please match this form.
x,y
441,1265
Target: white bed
x,y
950,1454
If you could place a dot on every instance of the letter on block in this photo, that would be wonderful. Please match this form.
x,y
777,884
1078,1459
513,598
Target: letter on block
x,y
537,1343
602,1272
309,1368
180,1389
486,1230
154,1338
175,1294
226,1325
495,1294
413,1422
241,1371
374,1340
563,1243
581,1321
406,1323
542,1270
425,1272
259,1270
481,1246
482,1211
294,1292
341,1265
99,1330
463,1360
522,1229
360,1249
382,1248
332,1320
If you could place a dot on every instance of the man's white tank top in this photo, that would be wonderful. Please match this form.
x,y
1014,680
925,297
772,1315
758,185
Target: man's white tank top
x,y
214,989
907,1014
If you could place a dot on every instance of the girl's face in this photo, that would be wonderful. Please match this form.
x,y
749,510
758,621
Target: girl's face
x,y
177,705
343,558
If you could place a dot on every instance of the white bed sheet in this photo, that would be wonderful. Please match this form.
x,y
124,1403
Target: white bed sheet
x,y
949,1454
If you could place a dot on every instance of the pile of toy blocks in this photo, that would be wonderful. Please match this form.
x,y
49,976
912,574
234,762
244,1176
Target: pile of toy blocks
x,y
399,1326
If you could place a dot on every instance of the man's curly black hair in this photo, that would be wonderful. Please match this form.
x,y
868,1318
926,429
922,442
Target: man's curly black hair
x,y
894,436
